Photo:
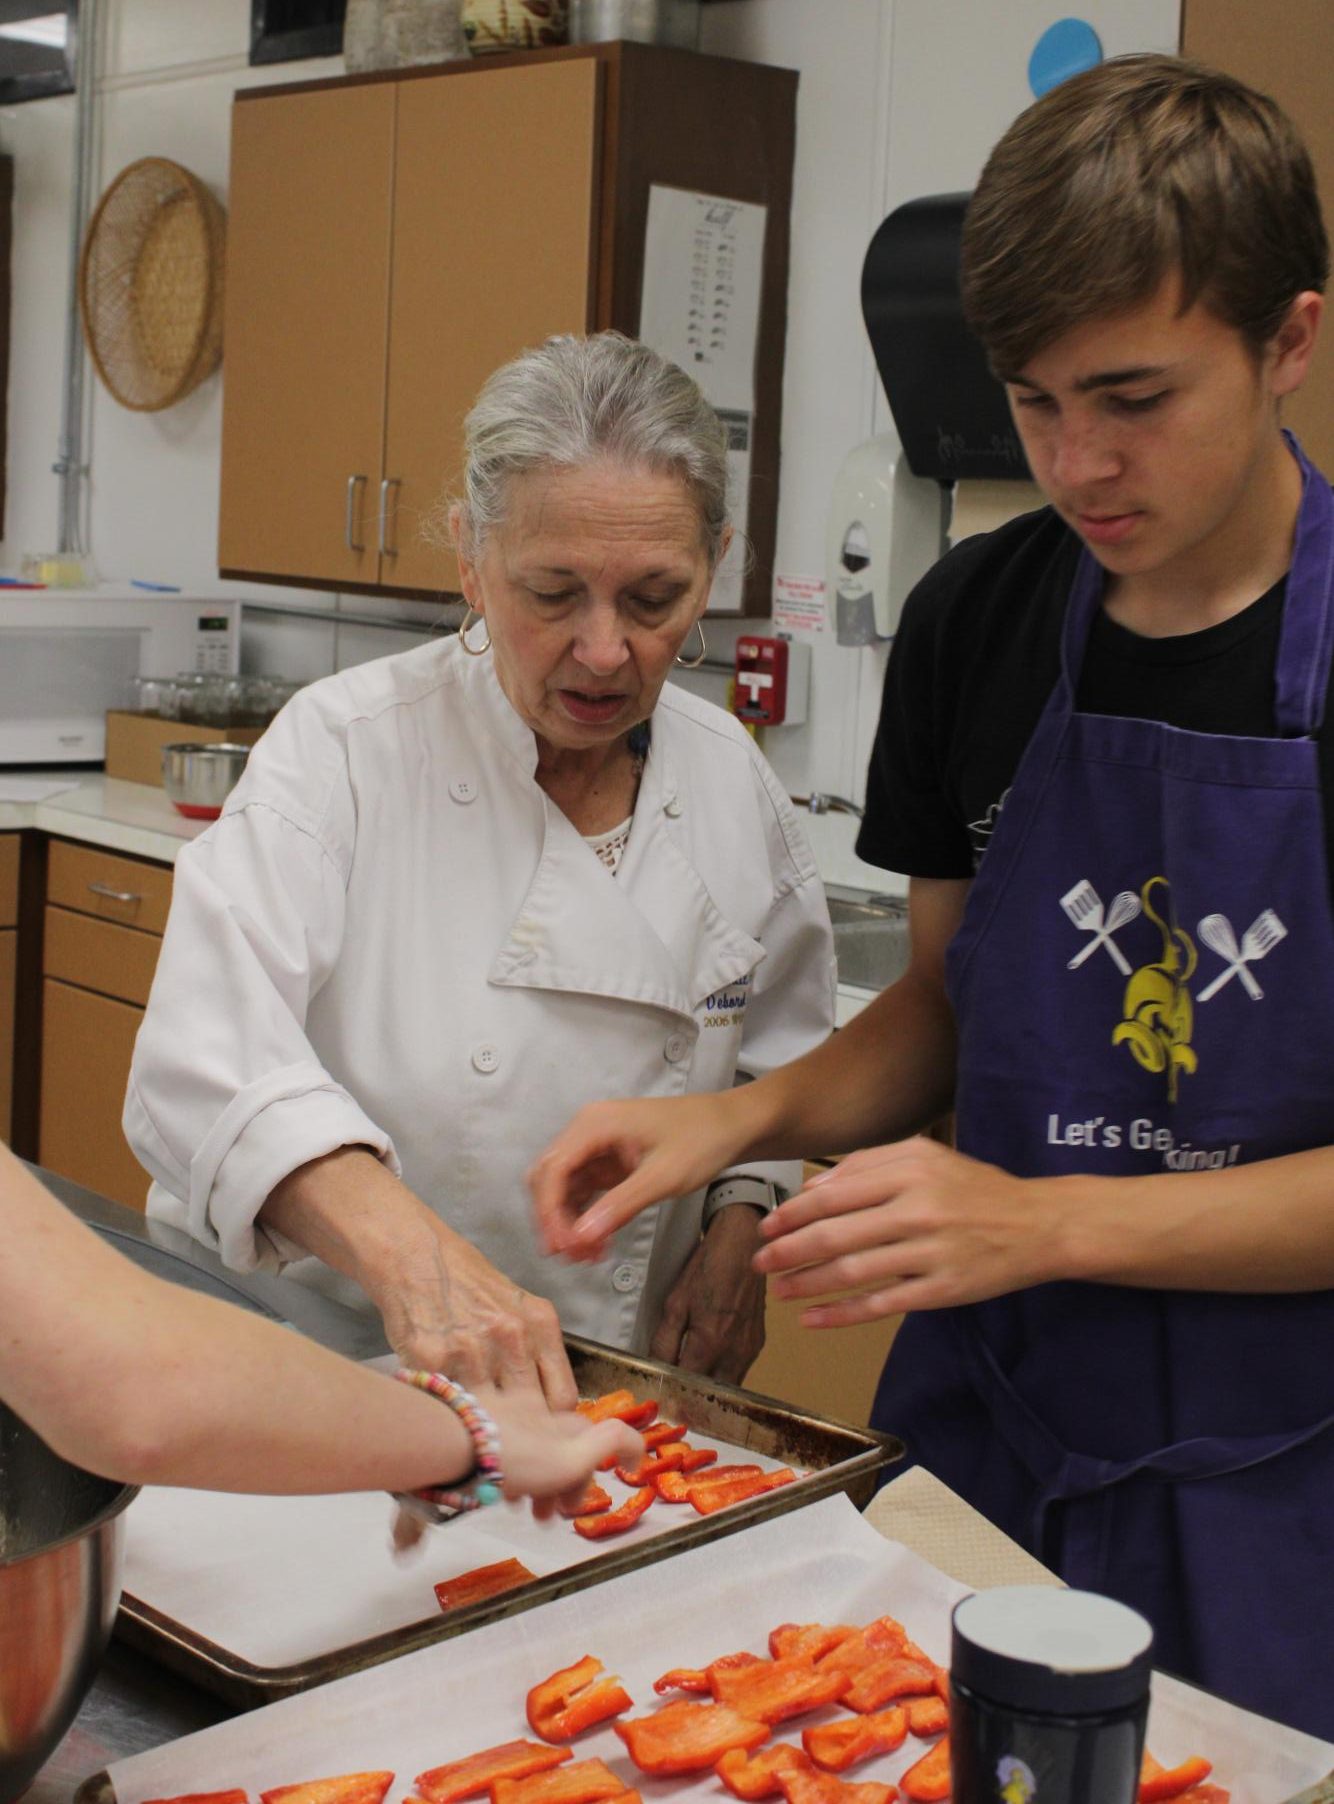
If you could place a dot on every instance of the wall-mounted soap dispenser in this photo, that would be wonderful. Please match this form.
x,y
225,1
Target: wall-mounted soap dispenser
x,y
885,531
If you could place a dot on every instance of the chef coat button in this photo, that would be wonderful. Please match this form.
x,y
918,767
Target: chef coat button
x,y
672,809
464,789
625,1277
675,1049
485,1058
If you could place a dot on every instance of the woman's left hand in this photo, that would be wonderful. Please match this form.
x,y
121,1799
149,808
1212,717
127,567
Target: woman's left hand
x,y
911,1225
713,1320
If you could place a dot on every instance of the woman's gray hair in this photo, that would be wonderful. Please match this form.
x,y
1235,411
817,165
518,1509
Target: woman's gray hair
x,y
573,400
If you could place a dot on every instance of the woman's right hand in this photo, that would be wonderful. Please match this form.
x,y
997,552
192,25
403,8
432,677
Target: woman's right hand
x,y
548,1456
551,1457
616,1158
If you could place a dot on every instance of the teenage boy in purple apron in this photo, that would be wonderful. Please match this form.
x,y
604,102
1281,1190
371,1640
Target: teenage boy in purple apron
x,y
1101,760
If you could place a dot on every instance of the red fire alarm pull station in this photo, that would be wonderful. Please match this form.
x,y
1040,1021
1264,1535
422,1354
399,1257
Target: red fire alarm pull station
x,y
767,692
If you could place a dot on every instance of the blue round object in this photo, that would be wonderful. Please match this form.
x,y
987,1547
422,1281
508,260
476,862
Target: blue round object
x,y
1066,48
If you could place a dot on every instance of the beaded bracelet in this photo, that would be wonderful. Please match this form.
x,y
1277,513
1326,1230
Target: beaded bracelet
x,y
484,1483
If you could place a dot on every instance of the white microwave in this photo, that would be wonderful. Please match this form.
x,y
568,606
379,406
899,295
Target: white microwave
x,y
66,657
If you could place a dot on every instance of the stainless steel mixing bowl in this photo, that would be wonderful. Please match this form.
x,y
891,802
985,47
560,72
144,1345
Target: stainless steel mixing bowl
x,y
199,778
61,1536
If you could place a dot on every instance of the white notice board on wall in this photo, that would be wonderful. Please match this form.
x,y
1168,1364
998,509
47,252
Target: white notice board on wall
x,y
700,306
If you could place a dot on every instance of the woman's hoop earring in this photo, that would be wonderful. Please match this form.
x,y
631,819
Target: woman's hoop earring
x,y
473,651
694,663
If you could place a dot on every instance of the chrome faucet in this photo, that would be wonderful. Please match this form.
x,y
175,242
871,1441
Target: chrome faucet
x,y
820,803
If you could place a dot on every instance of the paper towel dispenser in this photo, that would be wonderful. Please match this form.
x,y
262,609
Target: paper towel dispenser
x,y
949,410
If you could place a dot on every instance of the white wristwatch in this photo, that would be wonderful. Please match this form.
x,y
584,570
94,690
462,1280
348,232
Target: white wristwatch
x,y
743,1188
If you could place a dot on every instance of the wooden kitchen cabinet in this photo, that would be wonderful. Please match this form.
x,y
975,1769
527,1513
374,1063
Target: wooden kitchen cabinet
x,y
132,892
105,915
394,238
827,1372
1287,55
87,1042
306,316
9,914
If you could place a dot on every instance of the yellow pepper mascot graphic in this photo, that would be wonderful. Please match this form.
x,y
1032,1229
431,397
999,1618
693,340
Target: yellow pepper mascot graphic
x,y
1159,1015
1015,1781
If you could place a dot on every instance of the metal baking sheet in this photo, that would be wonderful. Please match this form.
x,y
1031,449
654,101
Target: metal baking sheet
x,y
831,1457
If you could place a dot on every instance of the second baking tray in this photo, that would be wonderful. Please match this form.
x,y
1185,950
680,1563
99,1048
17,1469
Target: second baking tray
x,y
829,1456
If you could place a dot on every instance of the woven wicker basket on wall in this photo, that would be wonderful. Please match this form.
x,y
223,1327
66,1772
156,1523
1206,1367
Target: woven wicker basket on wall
x,y
150,284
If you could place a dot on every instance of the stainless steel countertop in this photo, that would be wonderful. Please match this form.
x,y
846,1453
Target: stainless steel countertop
x,y
134,1703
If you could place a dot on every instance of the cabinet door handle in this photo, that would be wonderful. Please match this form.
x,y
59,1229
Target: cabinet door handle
x,y
390,482
114,895
351,521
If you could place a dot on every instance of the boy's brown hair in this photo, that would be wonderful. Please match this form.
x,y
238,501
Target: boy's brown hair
x,y
1142,167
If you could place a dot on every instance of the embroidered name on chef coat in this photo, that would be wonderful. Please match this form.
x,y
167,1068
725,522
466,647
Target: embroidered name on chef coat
x,y
726,1008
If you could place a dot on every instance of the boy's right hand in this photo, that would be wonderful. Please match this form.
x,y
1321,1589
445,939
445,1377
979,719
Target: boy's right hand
x,y
616,1158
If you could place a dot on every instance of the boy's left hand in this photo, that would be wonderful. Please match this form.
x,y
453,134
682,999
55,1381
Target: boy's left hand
x,y
911,1225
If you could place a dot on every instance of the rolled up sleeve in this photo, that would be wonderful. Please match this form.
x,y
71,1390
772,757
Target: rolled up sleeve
x,y
227,1095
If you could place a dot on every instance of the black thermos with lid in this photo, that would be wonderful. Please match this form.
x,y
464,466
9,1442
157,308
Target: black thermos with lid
x,y
1049,1697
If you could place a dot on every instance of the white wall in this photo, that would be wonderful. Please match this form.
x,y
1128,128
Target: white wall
x,y
897,98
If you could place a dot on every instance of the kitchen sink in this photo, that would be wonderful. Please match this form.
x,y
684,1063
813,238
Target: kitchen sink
x,y
870,936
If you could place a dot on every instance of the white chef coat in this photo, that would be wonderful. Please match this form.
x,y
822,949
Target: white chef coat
x,y
393,938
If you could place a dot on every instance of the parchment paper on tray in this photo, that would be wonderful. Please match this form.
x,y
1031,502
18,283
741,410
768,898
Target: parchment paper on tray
x,y
335,1601
822,1563
321,1567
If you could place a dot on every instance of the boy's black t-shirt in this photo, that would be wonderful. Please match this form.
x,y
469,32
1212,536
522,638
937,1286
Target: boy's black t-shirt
x,y
973,665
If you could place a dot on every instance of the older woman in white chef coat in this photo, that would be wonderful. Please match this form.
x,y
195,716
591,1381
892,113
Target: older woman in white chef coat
x,y
461,891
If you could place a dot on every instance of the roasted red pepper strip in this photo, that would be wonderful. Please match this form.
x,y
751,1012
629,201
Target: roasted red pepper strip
x,y
928,1779
623,1404
683,1678
615,1522
346,1788
686,1738
753,1776
814,1787
477,1773
482,1581
884,1680
611,1403
1170,1782
731,1663
928,1716
206,1797
671,1487
721,1475
873,1642
670,1458
708,1497
838,1746
773,1690
692,1678
574,1699
1204,1794
585,1782
592,1503
696,1457
809,1639
658,1434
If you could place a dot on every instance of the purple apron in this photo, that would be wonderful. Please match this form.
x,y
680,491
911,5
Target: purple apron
x,y
1143,981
